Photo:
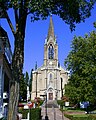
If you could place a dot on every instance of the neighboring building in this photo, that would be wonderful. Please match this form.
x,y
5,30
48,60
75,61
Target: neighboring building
x,y
5,71
51,77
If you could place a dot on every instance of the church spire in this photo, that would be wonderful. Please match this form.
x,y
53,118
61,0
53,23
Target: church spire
x,y
51,28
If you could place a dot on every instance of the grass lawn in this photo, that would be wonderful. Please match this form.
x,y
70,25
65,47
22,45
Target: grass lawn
x,y
79,115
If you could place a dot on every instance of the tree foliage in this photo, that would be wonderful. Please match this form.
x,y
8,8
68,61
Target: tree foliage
x,y
71,11
23,89
81,62
30,82
27,78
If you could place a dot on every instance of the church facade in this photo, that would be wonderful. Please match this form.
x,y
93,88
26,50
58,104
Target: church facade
x,y
50,78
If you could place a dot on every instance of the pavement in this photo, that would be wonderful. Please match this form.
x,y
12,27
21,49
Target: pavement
x,y
53,111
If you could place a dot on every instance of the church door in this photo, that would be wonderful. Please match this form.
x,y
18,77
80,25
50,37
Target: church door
x,y
50,96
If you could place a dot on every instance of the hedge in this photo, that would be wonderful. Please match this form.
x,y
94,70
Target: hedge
x,y
35,114
60,102
24,112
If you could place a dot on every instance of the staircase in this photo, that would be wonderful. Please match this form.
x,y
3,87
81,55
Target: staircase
x,y
51,104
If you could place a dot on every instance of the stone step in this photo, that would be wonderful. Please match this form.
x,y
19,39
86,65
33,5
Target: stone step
x,y
51,104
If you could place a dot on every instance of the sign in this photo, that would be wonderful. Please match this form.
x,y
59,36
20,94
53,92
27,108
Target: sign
x,y
84,104
66,104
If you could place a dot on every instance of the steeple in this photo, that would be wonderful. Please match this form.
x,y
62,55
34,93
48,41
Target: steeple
x,y
51,29
51,47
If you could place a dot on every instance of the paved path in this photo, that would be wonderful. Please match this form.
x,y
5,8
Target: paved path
x,y
53,112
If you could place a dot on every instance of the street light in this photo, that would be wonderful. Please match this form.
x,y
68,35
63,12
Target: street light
x,y
46,117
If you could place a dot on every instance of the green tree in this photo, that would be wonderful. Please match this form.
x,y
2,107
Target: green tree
x,y
71,11
27,78
81,62
23,89
30,82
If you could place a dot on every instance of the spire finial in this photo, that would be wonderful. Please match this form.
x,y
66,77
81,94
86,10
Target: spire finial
x,y
36,66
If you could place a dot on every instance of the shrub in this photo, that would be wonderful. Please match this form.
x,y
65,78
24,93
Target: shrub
x,y
35,114
60,102
24,113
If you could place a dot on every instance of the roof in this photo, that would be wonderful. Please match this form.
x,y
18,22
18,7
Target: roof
x,y
51,29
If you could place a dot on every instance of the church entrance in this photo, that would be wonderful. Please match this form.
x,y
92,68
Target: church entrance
x,y
50,96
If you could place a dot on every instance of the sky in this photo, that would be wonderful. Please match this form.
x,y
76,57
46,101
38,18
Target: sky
x,y
36,33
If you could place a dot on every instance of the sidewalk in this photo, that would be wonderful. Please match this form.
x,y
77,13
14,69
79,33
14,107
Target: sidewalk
x,y
53,114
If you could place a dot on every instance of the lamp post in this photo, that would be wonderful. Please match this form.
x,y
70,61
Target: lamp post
x,y
46,117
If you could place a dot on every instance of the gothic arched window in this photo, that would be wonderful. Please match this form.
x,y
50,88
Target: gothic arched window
x,y
50,52
50,80
50,76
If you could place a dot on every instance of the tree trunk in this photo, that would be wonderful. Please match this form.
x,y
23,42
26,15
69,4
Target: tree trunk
x,y
17,66
17,60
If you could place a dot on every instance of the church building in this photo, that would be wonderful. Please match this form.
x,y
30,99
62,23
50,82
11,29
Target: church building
x,y
50,78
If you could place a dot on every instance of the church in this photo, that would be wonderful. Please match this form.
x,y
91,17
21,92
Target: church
x,y
50,78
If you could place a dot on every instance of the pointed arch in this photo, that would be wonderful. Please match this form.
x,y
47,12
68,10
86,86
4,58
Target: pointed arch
x,y
50,78
51,52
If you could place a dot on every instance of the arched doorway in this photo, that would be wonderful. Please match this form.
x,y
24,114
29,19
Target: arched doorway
x,y
50,94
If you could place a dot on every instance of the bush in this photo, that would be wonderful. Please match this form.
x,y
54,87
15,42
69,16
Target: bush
x,y
60,102
24,113
41,102
35,114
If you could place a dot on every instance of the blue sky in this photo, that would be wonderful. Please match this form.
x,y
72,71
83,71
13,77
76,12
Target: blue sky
x,y
36,33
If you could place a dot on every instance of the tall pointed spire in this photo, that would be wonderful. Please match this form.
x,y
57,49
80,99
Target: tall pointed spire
x,y
51,28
